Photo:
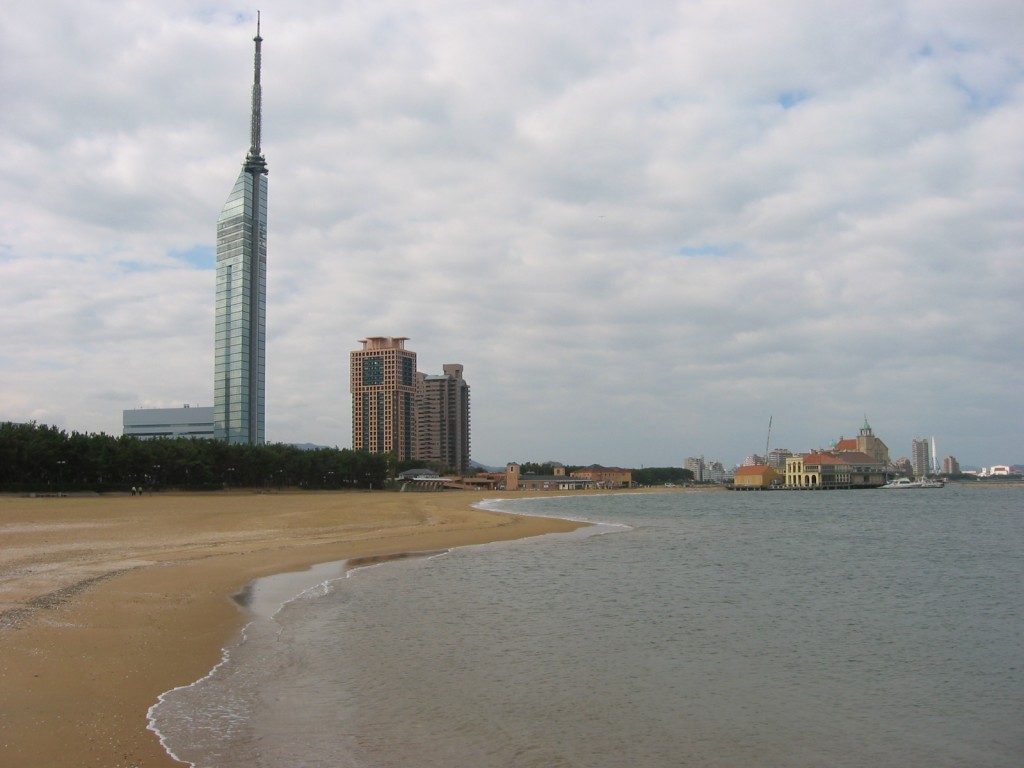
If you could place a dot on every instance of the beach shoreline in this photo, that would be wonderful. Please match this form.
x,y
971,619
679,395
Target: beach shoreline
x,y
108,602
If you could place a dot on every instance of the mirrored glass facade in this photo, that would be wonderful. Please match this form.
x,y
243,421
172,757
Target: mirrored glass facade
x,y
241,324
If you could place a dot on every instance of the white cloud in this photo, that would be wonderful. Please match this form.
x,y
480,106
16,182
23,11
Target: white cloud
x,y
642,229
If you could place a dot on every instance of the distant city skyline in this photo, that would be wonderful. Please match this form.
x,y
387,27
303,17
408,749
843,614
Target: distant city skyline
x,y
644,228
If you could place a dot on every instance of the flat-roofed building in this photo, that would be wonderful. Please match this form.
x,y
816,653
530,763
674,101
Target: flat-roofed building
x,y
151,423
777,457
696,465
920,452
442,418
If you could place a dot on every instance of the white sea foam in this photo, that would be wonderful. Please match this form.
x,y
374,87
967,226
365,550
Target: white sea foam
x,y
514,507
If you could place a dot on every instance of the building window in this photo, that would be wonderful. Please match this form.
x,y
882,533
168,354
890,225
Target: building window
x,y
373,371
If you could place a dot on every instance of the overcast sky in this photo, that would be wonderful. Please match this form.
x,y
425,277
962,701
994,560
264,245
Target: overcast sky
x,y
645,228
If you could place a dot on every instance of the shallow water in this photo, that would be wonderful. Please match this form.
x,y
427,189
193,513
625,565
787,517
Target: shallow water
x,y
719,629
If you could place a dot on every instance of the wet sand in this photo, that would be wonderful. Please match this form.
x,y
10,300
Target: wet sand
x,y
106,602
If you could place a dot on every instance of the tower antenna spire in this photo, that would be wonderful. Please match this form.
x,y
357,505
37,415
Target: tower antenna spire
x,y
254,161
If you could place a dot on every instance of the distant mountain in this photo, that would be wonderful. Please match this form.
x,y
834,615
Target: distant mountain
x,y
485,467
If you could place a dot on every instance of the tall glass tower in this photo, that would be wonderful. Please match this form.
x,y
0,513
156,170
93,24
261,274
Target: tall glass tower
x,y
241,327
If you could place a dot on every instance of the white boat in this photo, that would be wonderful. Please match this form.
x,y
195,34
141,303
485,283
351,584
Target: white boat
x,y
906,482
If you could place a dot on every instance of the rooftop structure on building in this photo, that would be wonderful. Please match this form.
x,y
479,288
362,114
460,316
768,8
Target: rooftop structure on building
x,y
865,442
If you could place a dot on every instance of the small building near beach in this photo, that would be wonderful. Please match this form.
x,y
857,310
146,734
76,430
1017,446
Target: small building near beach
x,y
757,477
605,477
516,481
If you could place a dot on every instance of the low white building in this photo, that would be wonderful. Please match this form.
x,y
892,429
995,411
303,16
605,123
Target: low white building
x,y
151,423
997,470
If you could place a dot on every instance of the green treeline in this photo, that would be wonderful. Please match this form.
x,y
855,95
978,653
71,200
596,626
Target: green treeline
x,y
44,459
662,475
643,476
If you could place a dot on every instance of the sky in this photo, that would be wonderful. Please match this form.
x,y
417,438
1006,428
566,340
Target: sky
x,y
645,228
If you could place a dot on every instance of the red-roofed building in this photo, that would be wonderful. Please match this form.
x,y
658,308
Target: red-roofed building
x,y
757,477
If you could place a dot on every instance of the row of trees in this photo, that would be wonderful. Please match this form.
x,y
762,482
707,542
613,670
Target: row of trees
x,y
644,476
662,475
38,458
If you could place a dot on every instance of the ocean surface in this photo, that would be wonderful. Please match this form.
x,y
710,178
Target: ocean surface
x,y
844,628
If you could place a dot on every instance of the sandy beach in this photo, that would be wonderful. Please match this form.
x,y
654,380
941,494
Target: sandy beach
x,y
106,602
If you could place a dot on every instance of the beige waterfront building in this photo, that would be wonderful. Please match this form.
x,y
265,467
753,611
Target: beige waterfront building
x,y
606,477
442,418
383,383
839,469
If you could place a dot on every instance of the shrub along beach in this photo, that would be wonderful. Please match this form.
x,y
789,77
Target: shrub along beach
x,y
106,602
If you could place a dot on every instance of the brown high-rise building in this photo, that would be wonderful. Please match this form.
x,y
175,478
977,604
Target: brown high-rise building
x,y
919,455
384,397
442,418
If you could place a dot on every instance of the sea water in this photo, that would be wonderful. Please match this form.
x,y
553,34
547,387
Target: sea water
x,y
845,628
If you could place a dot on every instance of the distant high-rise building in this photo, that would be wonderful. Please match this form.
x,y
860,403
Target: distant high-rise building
x,y
696,465
442,418
950,466
777,457
383,383
920,451
241,325
714,472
